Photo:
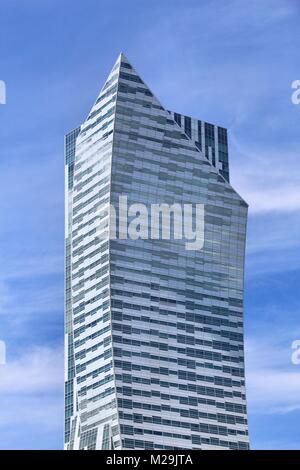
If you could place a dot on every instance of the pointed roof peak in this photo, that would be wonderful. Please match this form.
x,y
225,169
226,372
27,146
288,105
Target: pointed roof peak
x,y
123,81
123,58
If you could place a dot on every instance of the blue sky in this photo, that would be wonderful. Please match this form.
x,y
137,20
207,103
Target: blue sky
x,y
227,62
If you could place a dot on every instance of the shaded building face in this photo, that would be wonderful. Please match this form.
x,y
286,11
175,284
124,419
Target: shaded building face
x,y
154,330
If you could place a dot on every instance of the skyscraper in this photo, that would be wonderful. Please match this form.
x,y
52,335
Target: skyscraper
x,y
154,331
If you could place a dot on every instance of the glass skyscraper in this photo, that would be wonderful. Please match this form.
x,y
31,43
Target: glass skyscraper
x,y
153,331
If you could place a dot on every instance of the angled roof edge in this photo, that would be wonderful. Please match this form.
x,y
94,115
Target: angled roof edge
x,y
116,69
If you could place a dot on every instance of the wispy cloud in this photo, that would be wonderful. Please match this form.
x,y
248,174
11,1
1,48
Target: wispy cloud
x,y
31,400
31,265
273,382
272,250
268,179
37,370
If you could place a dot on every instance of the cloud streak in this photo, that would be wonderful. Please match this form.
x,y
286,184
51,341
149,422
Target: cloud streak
x,y
273,382
31,400
268,179
37,370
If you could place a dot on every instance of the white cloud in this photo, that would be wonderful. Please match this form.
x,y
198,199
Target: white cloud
x,y
30,265
31,400
5,297
38,370
22,303
42,412
272,381
268,180
282,234
272,241
270,262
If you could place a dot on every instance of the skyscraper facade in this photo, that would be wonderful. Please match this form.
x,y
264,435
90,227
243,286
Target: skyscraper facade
x,y
154,355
